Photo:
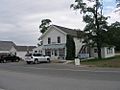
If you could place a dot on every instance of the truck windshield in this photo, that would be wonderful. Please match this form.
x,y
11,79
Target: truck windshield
x,y
28,55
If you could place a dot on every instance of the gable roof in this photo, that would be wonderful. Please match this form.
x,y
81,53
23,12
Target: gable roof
x,y
25,48
6,45
72,32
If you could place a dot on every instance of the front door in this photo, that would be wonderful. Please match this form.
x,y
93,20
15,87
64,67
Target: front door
x,y
55,53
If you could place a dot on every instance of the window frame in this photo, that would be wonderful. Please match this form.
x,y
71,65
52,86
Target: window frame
x,y
49,40
58,39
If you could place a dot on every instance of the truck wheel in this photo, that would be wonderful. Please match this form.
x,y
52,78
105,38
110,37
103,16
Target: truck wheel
x,y
4,61
36,61
28,62
48,60
17,60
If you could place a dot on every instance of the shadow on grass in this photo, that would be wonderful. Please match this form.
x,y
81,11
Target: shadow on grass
x,y
108,62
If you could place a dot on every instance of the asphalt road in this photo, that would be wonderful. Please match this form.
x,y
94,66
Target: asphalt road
x,y
19,76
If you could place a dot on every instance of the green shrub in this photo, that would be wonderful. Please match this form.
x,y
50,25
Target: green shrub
x,y
70,48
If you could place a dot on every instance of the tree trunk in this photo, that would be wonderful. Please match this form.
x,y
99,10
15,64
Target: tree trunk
x,y
99,50
98,31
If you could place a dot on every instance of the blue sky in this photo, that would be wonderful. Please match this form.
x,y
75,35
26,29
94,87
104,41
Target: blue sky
x,y
109,5
20,19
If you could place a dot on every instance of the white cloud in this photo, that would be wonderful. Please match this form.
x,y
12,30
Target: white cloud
x,y
114,16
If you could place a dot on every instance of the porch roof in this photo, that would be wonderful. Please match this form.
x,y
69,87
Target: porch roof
x,y
54,46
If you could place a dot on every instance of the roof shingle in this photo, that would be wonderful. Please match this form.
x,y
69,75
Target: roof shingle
x,y
72,32
6,45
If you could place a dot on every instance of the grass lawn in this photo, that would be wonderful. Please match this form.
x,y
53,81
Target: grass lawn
x,y
109,62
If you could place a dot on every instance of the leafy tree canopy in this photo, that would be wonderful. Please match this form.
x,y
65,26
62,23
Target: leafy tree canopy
x,y
45,23
114,35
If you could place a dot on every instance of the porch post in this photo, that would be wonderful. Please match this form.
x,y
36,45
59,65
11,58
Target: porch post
x,y
65,52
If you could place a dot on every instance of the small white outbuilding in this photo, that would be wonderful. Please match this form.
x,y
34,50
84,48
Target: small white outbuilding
x,y
106,52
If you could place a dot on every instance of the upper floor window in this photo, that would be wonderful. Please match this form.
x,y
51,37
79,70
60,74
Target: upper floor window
x,y
49,40
58,40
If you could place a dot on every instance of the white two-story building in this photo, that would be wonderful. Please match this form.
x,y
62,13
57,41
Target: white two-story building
x,y
53,44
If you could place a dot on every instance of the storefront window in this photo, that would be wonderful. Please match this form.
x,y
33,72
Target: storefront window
x,y
48,52
61,52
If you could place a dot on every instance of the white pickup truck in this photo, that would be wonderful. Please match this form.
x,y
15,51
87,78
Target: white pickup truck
x,y
36,58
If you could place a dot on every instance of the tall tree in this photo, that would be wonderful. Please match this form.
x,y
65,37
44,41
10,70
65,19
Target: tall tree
x,y
45,23
96,23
